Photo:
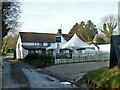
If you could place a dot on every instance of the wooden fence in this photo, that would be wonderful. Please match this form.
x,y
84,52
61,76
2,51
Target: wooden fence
x,y
85,57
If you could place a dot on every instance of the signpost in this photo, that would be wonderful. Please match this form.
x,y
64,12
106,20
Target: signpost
x,y
115,51
115,45
58,40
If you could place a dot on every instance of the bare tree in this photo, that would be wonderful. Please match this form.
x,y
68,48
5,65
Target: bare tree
x,y
10,16
109,24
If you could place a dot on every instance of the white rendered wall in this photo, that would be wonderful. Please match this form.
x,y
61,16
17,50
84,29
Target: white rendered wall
x,y
18,55
34,44
19,51
104,47
28,44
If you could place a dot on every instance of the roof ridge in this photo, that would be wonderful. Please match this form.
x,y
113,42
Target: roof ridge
x,y
37,33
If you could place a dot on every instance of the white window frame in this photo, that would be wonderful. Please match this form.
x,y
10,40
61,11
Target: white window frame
x,y
45,44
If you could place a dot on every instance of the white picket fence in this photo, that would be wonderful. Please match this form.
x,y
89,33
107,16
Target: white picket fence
x,y
85,57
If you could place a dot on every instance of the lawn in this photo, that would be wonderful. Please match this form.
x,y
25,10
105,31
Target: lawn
x,y
104,78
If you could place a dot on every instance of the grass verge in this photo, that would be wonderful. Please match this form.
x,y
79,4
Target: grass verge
x,y
104,78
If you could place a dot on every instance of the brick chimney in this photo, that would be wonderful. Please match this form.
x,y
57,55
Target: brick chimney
x,y
59,31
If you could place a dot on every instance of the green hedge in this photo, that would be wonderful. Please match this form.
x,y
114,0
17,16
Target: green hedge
x,y
39,60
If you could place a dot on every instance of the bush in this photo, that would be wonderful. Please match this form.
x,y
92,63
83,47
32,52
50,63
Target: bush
x,y
39,60
100,40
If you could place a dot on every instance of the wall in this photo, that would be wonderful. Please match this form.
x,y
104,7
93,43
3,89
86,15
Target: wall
x,y
19,49
21,52
104,47
35,44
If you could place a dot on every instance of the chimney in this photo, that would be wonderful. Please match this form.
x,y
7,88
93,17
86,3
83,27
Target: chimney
x,y
59,31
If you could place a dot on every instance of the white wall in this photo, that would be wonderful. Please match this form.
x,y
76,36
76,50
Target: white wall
x,y
34,44
17,50
20,51
28,44
104,47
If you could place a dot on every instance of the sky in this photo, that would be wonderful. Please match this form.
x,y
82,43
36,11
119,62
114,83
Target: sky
x,y
47,17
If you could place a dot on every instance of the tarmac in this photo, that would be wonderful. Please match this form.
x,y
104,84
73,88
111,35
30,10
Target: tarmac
x,y
75,71
19,75
54,76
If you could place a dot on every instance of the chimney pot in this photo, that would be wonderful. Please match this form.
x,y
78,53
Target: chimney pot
x,y
59,31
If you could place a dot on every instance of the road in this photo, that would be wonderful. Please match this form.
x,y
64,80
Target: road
x,y
20,75
74,71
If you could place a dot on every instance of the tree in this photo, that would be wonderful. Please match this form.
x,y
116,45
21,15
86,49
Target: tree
x,y
109,25
9,42
74,29
10,15
88,30
100,40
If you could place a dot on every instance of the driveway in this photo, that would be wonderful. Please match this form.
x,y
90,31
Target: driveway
x,y
73,72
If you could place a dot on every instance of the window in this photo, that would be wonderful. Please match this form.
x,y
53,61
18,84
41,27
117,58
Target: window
x,y
40,51
45,44
49,44
58,39
31,51
36,44
40,44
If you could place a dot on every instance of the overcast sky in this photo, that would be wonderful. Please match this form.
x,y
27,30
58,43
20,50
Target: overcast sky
x,y
46,17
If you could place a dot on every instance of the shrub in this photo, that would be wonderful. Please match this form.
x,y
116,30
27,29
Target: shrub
x,y
100,40
105,77
39,60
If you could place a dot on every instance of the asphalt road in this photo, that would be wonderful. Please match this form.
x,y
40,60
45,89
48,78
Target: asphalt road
x,y
75,71
20,75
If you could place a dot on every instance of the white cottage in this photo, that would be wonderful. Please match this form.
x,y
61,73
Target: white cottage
x,y
31,42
